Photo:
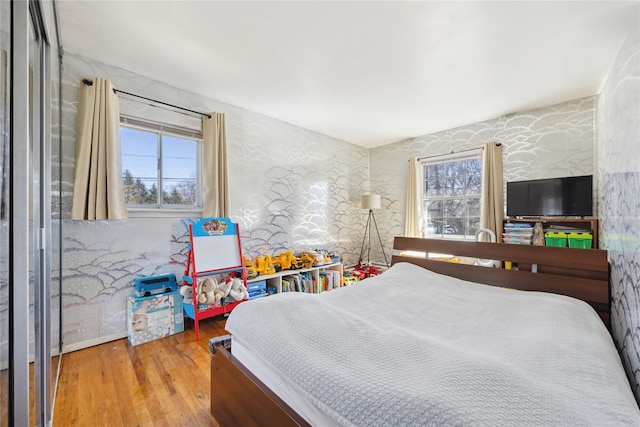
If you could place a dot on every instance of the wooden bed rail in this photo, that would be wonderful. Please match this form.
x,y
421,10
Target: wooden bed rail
x,y
579,273
239,398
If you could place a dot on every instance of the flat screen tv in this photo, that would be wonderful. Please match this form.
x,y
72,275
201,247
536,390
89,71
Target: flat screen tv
x,y
568,196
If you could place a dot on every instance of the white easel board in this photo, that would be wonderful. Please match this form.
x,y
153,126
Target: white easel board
x,y
215,244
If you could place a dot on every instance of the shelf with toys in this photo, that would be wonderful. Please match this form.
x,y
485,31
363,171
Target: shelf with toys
x,y
308,271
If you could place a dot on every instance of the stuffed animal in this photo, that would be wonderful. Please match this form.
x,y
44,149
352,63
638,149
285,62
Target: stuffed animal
x,y
238,292
538,235
206,292
222,290
187,294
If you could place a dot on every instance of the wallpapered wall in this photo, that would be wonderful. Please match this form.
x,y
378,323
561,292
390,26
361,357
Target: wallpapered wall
x,y
547,142
619,177
290,188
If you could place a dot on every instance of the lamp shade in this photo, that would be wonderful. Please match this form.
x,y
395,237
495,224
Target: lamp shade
x,y
371,201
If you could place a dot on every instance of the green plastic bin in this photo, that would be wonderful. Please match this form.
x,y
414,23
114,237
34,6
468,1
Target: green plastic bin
x,y
580,240
558,239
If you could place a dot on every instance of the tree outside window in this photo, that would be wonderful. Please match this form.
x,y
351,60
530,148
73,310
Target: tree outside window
x,y
159,169
451,197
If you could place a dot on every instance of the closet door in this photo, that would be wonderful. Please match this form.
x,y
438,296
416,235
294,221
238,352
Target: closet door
x,y
5,184
28,397
40,211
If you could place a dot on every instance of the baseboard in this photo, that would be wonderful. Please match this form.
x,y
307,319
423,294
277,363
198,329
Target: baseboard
x,y
4,364
92,342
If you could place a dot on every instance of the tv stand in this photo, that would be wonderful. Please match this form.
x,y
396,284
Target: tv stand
x,y
581,223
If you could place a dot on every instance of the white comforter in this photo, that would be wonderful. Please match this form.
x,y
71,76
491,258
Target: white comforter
x,y
412,347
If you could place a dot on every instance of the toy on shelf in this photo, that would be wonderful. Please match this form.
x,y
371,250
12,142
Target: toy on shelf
x,y
214,250
312,259
287,261
264,265
250,268
325,255
348,279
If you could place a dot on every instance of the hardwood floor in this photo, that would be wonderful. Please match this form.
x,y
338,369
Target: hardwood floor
x,y
4,392
165,382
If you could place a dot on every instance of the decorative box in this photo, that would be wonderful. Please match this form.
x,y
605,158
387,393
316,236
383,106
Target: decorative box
x,y
153,317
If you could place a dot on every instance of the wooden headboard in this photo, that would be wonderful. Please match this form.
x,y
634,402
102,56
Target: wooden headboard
x,y
578,273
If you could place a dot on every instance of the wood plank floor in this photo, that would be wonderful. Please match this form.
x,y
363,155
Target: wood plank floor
x,y
4,392
165,382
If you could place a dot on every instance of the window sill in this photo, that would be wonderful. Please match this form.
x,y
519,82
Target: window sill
x,y
164,213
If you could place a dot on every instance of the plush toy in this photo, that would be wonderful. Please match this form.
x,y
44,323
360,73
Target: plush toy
x,y
206,292
238,292
187,294
538,235
222,290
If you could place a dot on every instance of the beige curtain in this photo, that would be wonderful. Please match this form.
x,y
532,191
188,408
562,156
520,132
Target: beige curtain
x,y
97,190
492,192
4,136
215,200
412,206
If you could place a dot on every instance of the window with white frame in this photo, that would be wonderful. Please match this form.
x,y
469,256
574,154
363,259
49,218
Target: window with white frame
x,y
160,166
451,196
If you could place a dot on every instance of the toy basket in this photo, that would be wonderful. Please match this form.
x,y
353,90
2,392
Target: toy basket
x,y
580,240
557,239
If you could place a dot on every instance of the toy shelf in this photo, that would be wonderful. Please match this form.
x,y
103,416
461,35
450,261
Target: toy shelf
x,y
214,249
559,224
275,280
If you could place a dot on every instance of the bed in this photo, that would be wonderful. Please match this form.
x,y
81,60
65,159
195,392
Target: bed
x,y
423,345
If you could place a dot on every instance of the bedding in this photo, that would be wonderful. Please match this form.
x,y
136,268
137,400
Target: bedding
x,y
413,347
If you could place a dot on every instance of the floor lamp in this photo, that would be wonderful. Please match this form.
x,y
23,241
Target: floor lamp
x,y
371,202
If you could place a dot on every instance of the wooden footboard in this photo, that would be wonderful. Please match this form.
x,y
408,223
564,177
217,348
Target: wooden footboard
x,y
239,398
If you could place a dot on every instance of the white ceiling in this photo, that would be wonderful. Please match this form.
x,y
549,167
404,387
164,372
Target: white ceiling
x,y
369,73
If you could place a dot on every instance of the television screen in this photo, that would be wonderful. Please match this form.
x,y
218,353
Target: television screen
x,y
568,196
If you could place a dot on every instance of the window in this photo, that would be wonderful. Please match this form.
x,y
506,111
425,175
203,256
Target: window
x,y
160,166
451,197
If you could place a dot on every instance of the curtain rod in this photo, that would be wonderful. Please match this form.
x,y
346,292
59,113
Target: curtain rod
x,y
498,144
90,83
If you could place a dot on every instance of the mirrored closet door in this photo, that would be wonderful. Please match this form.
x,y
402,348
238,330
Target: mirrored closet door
x,y
30,120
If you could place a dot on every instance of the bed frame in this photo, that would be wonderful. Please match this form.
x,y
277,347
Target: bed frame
x,y
239,398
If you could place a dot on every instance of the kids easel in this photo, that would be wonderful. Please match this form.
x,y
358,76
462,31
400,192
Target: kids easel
x,y
214,248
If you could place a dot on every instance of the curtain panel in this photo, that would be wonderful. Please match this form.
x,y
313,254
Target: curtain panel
x,y
215,180
412,204
492,189
98,190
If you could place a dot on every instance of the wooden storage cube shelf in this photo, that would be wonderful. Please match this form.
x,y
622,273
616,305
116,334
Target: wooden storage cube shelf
x,y
587,224
275,280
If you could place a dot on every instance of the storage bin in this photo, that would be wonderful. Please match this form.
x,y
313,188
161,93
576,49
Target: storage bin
x,y
580,240
153,317
510,238
558,239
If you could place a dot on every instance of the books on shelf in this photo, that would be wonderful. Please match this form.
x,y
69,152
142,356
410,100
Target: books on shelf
x,y
312,280
300,282
329,279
